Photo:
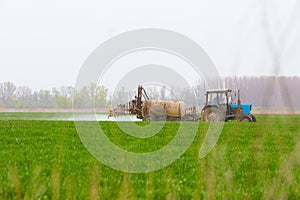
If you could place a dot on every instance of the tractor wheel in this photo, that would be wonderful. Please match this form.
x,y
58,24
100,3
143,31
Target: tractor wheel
x,y
253,118
213,114
246,118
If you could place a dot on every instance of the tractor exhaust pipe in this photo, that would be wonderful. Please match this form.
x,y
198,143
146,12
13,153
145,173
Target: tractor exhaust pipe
x,y
239,100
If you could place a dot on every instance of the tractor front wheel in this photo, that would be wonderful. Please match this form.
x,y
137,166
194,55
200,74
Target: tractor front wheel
x,y
253,118
246,118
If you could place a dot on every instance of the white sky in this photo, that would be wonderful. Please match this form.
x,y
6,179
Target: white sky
x,y
44,43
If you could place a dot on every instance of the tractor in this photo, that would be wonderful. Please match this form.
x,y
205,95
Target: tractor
x,y
220,107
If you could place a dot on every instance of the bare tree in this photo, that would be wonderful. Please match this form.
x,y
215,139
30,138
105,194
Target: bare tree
x,y
7,90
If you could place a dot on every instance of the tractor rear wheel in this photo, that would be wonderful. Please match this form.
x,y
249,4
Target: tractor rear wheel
x,y
213,114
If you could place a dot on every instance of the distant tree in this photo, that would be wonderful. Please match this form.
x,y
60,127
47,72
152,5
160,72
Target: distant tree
x,y
81,98
121,96
65,97
55,97
45,98
91,90
163,93
23,94
101,97
7,90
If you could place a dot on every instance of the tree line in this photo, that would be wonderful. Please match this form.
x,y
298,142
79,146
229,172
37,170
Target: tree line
x,y
263,91
89,96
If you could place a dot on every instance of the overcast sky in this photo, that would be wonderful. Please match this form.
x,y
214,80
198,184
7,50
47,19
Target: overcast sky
x,y
44,43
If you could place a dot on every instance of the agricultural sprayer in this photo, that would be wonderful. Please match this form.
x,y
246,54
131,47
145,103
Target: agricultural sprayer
x,y
219,106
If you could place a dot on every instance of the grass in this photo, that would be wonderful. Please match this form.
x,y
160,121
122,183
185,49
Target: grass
x,y
46,160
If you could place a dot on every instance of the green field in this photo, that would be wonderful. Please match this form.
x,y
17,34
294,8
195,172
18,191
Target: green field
x,y
46,160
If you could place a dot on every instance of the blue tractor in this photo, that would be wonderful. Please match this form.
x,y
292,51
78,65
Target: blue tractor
x,y
220,106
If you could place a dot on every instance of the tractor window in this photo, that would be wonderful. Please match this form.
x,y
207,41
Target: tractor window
x,y
216,98
212,98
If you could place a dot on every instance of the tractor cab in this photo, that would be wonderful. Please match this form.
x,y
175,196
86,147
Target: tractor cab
x,y
220,106
217,97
